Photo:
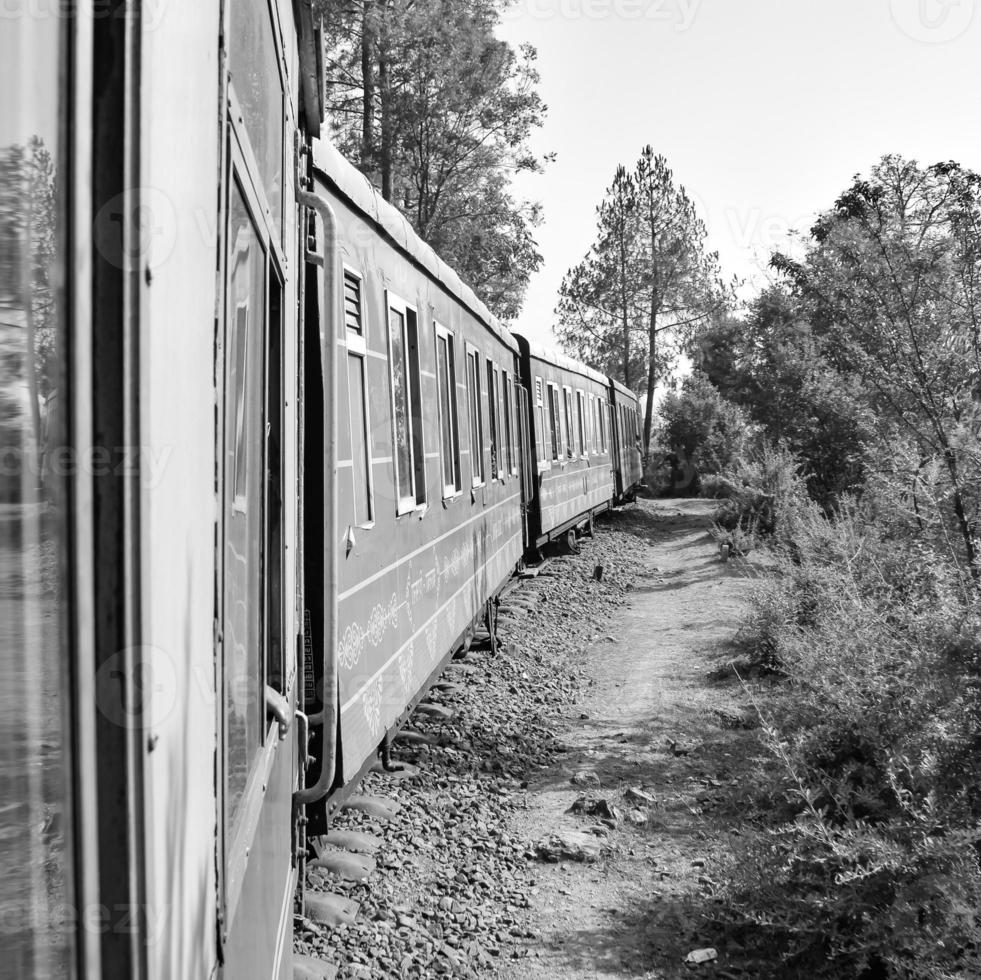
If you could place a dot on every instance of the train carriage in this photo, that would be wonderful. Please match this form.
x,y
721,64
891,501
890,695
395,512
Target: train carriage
x,y
569,432
427,492
628,468
161,152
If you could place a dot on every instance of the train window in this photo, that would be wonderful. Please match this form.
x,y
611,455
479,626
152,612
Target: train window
x,y
570,450
506,402
541,431
476,418
493,422
448,421
555,422
590,435
580,422
245,484
39,908
253,61
410,458
358,411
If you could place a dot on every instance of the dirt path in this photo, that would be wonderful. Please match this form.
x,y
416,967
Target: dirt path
x,y
605,680
650,719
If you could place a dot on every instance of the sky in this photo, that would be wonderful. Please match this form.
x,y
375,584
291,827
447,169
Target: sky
x,y
764,109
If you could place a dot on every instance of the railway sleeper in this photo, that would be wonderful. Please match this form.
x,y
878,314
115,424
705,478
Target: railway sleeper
x,y
330,909
435,710
411,737
344,864
377,807
311,968
352,840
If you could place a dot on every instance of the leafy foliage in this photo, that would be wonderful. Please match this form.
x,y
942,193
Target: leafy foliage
x,y
871,868
711,431
646,280
772,366
890,284
438,112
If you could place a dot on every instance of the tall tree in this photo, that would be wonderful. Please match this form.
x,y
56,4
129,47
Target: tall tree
x,y
646,281
600,298
455,108
892,279
683,285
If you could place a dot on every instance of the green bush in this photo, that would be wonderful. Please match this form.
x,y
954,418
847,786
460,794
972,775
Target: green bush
x,y
870,868
757,488
699,423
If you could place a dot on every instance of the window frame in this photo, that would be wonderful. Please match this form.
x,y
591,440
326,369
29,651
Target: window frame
x,y
544,438
405,503
568,430
450,491
581,421
238,833
592,424
494,422
357,346
476,426
556,441
507,394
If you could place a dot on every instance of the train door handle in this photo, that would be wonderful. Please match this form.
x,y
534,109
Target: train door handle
x,y
279,708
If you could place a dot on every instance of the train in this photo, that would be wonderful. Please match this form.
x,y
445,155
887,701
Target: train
x,y
267,462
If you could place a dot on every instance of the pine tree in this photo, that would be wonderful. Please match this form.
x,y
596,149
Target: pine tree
x,y
646,281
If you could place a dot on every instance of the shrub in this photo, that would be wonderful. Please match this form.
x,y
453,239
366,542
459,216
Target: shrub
x,y
871,866
759,487
703,426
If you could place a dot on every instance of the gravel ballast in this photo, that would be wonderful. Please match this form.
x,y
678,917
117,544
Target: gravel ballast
x,y
452,880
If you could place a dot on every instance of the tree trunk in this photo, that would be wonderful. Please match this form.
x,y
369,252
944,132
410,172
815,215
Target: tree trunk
x,y
386,131
963,524
385,93
651,373
624,314
386,148
368,86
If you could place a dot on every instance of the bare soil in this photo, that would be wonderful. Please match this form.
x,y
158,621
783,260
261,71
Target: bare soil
x,y
651,719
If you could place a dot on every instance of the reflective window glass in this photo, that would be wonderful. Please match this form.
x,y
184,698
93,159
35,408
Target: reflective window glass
x,y
554,422
476,422
37,463
400,395
359,438
449,436
254,65
244,488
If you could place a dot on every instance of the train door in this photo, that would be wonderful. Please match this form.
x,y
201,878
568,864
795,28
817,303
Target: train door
x,y
616,433
524,458
257,680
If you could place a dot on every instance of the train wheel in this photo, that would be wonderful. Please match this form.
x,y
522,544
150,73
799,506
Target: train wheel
x,y
571,541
